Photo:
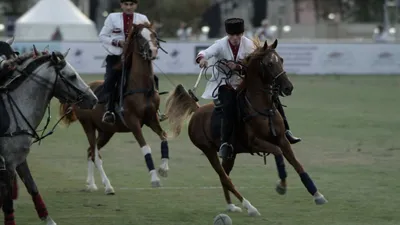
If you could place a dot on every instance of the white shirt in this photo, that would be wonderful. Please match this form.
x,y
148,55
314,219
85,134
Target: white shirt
x,y
113,29
222,50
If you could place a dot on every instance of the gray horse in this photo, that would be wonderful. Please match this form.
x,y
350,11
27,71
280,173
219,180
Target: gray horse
x,y
25,94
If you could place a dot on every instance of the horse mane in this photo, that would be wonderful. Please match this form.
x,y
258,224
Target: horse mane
x,y
257,55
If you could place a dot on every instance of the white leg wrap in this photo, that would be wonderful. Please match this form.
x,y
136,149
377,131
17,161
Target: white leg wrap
x,y
251,210
91,185
99,164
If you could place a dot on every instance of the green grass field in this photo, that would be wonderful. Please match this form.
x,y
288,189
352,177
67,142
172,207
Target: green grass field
x,y
350,147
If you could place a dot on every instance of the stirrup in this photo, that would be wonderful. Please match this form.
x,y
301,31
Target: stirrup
x,y
229,146
225,143
106,114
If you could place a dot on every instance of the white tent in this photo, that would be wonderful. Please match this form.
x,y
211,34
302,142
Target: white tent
x,y
41,22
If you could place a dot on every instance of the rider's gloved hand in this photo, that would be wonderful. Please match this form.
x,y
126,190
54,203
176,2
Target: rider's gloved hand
x,y
203,63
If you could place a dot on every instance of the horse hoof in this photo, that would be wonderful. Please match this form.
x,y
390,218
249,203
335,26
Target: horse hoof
x,y
163,172
156,184
91,188
320,199
49,221
280,189
253,212
233,208
109,191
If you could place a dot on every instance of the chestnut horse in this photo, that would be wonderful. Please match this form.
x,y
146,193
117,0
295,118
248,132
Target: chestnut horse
x,y
259,126
140,103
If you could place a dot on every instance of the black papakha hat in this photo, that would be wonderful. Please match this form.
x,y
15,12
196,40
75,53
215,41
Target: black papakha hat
x,y
134,1
234,26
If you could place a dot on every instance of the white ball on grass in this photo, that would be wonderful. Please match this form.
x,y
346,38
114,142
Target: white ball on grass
x,y
222,219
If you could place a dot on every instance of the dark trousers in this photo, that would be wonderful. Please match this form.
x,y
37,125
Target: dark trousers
x,y
227,98
279,107
111,76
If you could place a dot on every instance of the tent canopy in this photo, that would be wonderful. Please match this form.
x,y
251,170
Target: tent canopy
x,y
41,22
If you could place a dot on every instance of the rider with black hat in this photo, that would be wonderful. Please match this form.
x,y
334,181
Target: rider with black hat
x,y
234,47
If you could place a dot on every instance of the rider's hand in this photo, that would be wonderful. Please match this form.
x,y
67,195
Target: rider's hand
x,y
231,65
203,63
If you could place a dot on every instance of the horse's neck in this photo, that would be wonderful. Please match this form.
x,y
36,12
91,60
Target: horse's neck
x,y
32,98
259,97
141,72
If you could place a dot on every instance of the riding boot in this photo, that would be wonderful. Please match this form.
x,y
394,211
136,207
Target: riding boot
x,y
161,116
227,99
291,138
109,87
109,116
156,82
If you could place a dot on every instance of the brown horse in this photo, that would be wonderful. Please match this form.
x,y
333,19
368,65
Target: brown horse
x,y
259,127
141,102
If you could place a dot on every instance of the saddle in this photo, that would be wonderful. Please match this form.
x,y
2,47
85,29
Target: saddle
x,y
9,81
217,115
120,91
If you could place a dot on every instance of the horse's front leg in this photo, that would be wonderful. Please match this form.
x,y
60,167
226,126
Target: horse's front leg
x,y
134,126
25,174
263,146
319,199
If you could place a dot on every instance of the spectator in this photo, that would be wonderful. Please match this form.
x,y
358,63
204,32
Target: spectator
x,y
184,32
264,32
381,35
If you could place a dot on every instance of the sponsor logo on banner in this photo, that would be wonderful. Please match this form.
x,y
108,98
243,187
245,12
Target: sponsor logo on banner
x,y
338,59
386,58
297,58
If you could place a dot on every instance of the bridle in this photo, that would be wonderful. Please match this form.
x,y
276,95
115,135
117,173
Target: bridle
x,y
144,45
28,72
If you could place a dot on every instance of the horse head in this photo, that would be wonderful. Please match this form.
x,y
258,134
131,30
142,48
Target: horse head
x,y
142,40
59,76
265,68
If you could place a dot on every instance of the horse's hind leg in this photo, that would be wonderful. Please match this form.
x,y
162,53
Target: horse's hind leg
x,y
227,183
305,178
90,132
227,164
156,127
102,140
25,174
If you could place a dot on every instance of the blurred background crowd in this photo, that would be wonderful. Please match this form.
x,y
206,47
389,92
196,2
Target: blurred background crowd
x,y
199,20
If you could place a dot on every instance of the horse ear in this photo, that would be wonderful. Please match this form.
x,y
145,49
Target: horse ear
x,y
273,46
10,41
66,53
35,51
265,45
54,57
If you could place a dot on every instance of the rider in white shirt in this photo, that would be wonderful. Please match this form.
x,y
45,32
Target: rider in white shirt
x,y
112,36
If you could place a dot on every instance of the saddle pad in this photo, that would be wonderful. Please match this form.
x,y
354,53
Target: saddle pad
x,y
216,117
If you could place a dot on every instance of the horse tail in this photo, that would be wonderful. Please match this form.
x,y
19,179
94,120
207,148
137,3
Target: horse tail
x,y
179,107
69,117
